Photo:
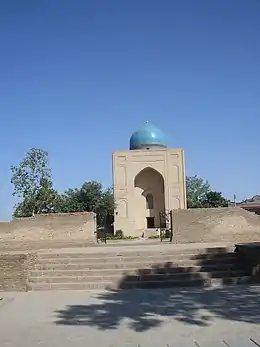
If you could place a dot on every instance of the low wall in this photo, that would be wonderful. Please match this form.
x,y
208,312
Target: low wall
x,y
15,271
249,254
56,226
227,224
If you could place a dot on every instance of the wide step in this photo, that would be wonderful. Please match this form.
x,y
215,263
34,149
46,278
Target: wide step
x,y
139,285
144,253
149,270
138,277
129,260
155,268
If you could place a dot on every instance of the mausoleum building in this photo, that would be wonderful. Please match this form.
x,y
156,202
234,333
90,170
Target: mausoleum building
x,y
149,181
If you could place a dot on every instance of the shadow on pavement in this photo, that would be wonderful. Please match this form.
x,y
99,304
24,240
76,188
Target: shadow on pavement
x,y
146,309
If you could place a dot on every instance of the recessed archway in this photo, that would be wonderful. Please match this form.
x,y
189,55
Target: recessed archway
x,y
149,198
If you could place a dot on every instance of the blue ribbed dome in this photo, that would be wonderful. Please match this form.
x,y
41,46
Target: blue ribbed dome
x,y
147,136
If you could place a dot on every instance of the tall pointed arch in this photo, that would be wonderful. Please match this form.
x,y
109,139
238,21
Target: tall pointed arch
x,y
149,198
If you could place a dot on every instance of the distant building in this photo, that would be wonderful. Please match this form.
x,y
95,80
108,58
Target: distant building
x,y
251,205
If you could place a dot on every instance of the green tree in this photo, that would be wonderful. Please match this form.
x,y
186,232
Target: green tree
x,y
214,199
32,183
197,189
106,207
47,201
91,197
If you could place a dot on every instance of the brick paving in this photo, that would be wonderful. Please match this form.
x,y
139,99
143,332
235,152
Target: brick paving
x,y
204,317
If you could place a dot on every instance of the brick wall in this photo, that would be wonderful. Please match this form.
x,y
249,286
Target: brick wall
x,y
56,226
215,225
15,271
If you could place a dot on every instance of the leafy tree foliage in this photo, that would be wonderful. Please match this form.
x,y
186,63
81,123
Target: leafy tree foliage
x,y
46,201
32,183
91,197
197,190
214,199
199,194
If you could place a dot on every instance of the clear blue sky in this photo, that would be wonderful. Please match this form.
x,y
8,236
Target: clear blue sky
x,y
78,77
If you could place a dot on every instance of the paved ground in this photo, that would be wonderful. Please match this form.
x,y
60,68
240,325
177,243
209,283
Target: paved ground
x,y
128,246
129,318
17,247
136,246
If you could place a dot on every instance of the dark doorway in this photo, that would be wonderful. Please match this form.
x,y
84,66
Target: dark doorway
x,y
150,222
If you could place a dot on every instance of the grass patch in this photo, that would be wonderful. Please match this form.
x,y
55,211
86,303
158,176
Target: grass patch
x,y
114,237
152,237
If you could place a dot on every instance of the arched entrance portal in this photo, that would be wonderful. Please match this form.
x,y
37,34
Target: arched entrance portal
x,y
149,198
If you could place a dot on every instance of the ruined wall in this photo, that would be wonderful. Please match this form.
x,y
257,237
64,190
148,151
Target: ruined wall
x,y
15,271
226,224
56,226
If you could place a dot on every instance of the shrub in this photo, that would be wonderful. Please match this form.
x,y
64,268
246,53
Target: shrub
x,y
166,235
154,237
120,236
119,233
130,237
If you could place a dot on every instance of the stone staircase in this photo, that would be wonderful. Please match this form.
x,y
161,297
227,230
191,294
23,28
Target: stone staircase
x,y
136,268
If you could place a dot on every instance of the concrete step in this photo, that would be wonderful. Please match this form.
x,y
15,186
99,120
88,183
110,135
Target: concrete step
x,y
185,283
132,253
69,286
120,263
142,277
130,259
133,270
126,266
141,285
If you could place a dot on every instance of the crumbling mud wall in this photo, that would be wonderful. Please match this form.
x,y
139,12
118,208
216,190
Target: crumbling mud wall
x,y
56,226
228,224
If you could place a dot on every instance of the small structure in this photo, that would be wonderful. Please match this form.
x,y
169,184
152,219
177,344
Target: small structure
x,y
149,179
251,205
